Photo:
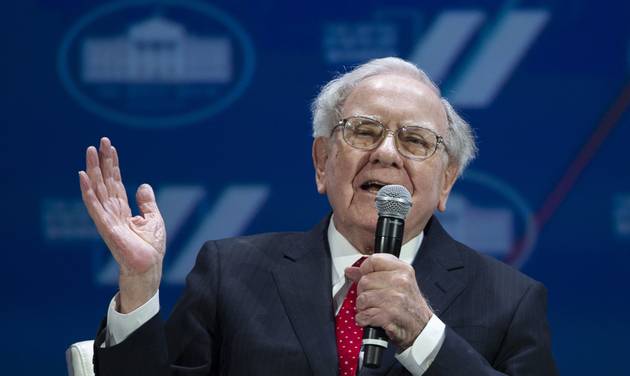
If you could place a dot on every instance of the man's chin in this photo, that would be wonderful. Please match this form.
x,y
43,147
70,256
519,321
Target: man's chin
x,y
357,221
366,222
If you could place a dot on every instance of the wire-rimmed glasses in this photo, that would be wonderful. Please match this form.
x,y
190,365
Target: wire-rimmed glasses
x,y
413,142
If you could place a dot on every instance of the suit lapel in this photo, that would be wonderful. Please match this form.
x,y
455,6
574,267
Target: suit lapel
x,y
435,265
304,284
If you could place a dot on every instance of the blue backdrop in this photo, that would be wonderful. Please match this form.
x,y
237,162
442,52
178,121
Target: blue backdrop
x,y
209,102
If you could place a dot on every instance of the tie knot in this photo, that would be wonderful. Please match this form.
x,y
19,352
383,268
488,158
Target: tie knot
x,y
359,261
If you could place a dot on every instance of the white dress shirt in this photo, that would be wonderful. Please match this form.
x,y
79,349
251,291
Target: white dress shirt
x,y
416,359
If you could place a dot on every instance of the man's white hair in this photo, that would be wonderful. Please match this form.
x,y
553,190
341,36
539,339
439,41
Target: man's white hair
x,y
326,108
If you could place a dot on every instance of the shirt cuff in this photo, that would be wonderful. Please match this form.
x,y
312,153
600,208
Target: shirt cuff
x,y
121,325
420,355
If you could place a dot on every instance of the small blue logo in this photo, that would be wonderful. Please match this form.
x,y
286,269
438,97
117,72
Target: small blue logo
x,y
156,63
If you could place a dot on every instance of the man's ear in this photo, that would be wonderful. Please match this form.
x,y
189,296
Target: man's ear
x,y
450,175
320,156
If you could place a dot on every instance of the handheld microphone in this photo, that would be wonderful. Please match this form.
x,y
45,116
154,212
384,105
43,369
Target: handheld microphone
x,y
392,204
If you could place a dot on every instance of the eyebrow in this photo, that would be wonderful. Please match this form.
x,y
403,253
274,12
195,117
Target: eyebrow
x,y
423,124
373,117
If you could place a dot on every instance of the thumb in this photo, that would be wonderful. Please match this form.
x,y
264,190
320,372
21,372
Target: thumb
x,y
145,199
353,273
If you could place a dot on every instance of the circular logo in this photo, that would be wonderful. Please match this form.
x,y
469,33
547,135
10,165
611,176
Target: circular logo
x,y
156,63
488,215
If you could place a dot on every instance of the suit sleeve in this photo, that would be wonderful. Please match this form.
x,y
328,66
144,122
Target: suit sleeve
x,y
185,345
525,349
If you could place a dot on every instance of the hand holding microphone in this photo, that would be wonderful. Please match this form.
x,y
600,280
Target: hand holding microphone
x,y
389,303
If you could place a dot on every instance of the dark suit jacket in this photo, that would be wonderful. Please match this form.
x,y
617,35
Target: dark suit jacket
x,y
262,305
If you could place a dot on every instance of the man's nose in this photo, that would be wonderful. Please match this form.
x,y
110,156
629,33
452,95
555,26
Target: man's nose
x,y
386,152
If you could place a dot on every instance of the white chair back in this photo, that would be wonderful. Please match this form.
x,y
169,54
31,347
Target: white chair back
x,y
79,359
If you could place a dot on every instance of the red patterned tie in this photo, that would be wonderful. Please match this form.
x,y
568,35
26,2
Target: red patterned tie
x,y
349,334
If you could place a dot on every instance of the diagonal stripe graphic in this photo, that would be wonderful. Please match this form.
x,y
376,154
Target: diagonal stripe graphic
x,y
498,57
176,204
236,207
445,40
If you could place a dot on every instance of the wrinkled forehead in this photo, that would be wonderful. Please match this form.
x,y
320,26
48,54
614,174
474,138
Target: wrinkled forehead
x,y
396,100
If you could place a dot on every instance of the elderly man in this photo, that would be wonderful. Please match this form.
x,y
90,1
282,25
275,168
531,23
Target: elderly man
x,y
297,303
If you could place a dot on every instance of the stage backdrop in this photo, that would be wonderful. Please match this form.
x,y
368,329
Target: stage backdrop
x,y
209,102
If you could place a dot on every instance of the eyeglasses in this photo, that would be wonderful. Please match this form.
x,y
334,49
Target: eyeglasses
x,y
412,142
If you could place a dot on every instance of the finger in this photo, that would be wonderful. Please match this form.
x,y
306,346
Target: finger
x,y
94,173
377,281
369,299
369,317
381,262
145,198
138,220
92,203
120,187
374,263
353,273
107,165
378,318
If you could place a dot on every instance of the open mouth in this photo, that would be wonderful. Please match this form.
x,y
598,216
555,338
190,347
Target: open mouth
x,y
372,186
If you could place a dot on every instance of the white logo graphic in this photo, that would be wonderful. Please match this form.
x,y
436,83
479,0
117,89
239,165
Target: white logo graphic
x,y
157,50
488,229
188,219
350,42
156,63
472,56
66,219
490,217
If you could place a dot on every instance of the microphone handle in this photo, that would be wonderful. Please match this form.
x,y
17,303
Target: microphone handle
x,y
388,239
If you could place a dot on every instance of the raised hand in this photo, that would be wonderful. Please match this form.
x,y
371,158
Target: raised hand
x,y
137,242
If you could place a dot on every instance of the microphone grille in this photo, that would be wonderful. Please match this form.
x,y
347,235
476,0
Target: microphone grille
x,y
393,201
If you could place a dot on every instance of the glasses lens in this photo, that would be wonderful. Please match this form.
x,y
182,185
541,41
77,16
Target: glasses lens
x,y
417,142
362,133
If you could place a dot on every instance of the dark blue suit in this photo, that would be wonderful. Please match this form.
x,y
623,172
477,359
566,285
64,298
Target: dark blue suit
x,y
262,305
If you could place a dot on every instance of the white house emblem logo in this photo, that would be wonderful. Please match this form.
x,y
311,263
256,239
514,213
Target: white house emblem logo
x,y
156,63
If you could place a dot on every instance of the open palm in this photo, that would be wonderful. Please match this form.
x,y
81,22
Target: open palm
x,y
136,242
